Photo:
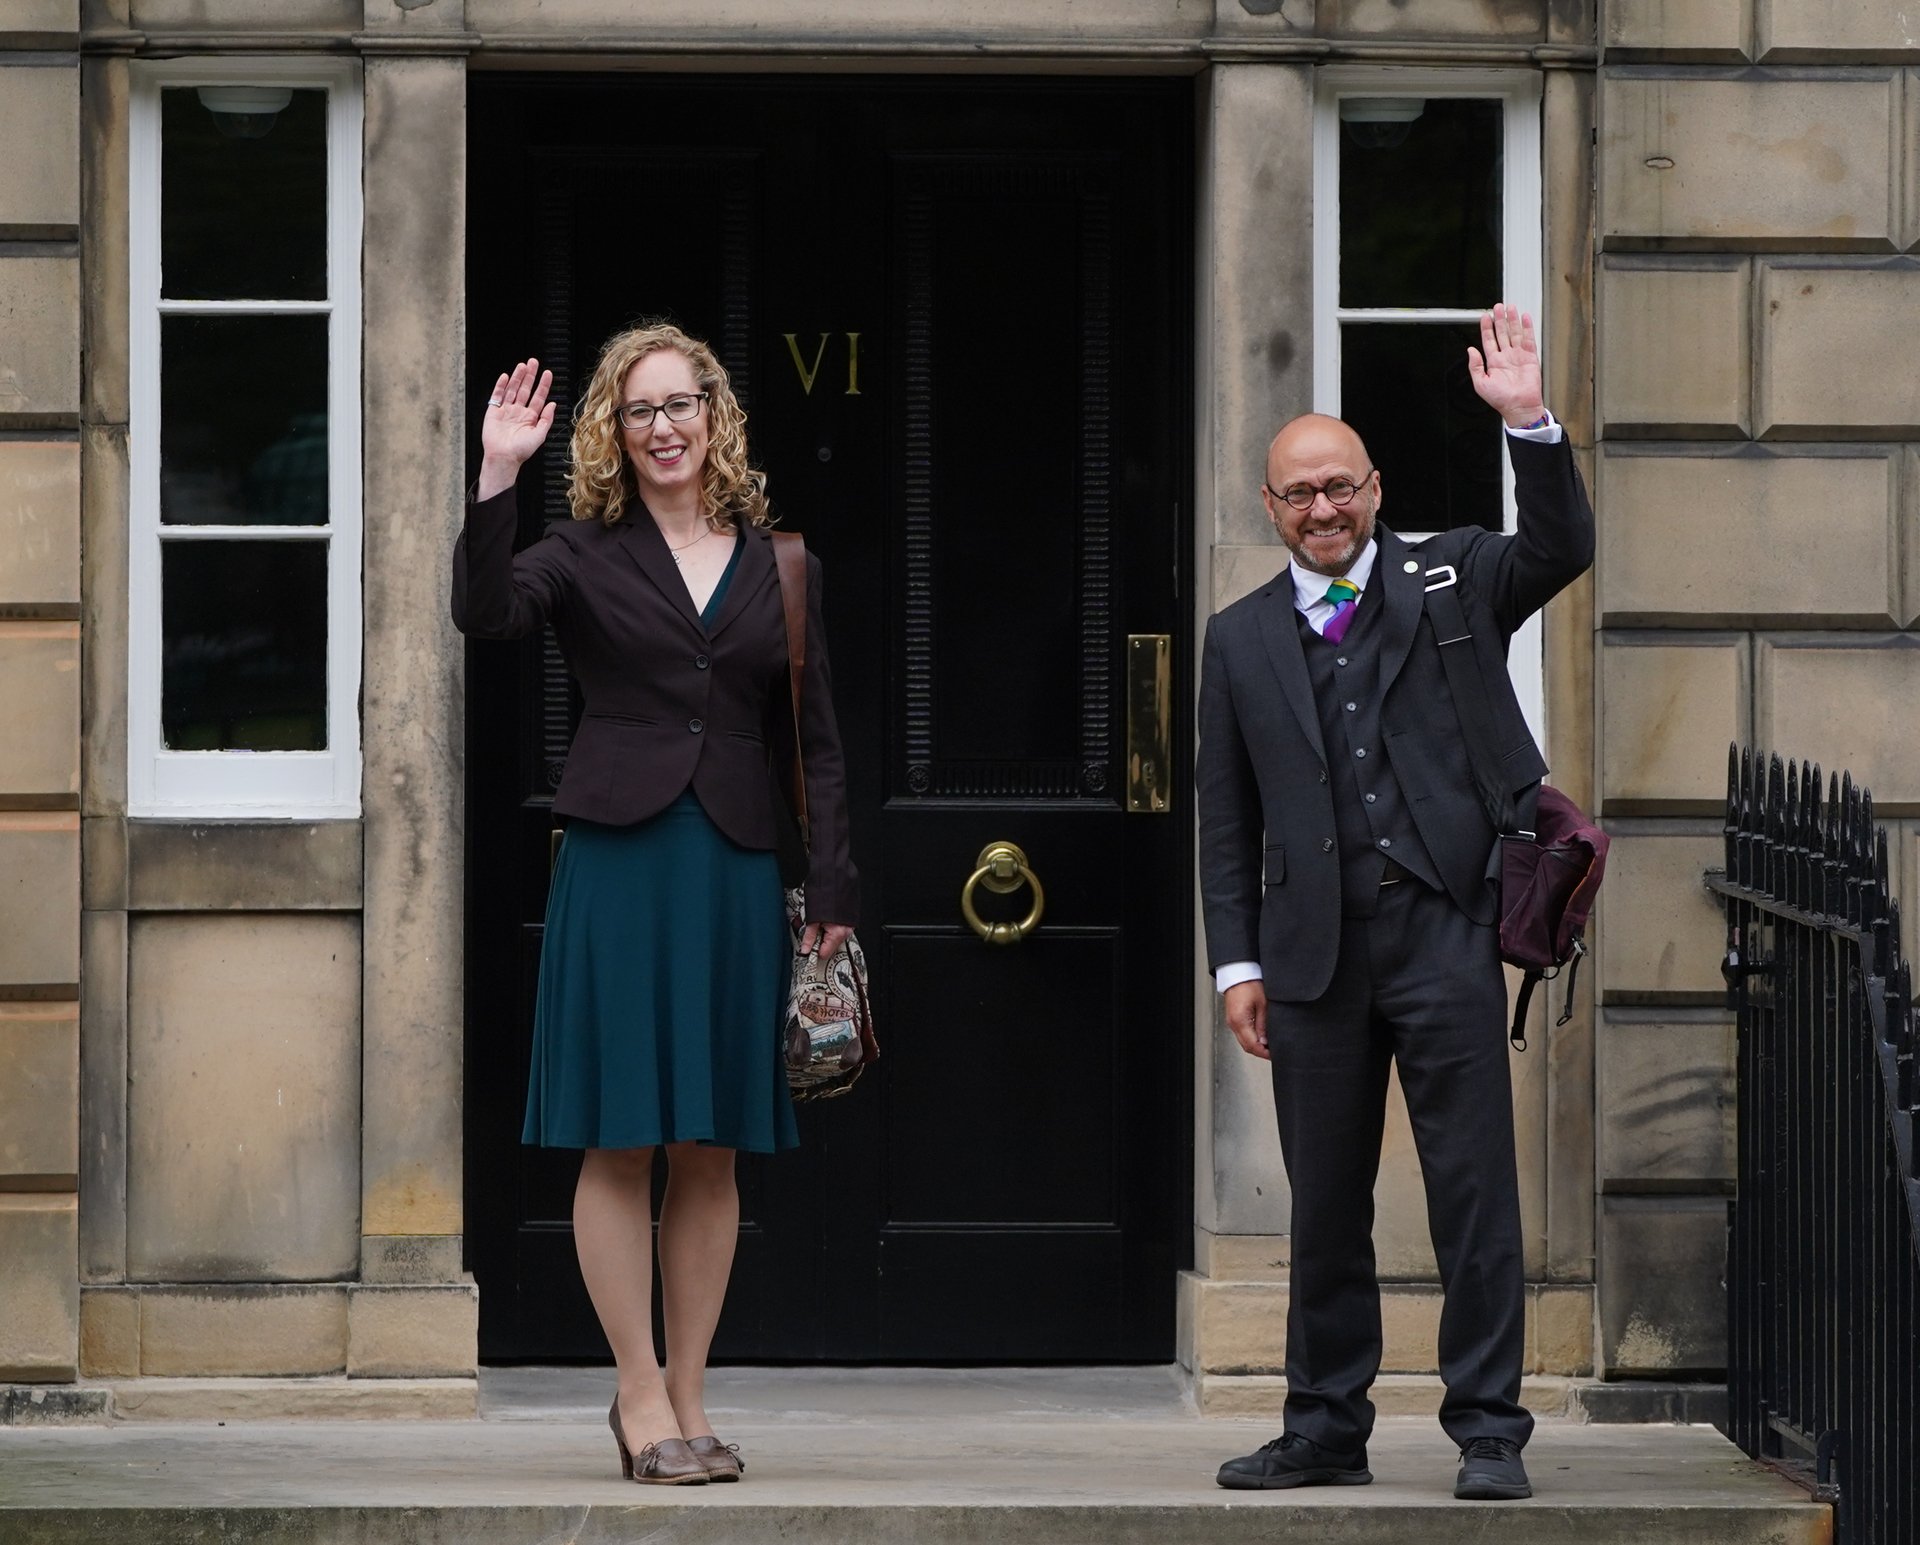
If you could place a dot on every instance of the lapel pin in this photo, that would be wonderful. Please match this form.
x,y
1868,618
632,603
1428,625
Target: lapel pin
x,y
1411,566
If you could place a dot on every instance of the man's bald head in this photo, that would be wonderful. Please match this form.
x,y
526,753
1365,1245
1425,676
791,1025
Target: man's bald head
x,y
1313,437
1317,452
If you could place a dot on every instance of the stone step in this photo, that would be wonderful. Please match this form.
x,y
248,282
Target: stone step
x,y
859,1457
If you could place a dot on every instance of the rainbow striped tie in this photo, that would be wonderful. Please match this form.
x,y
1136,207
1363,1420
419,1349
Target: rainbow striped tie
x,y
1344,594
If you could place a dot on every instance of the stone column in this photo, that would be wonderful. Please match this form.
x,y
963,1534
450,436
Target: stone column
x,y
39,691
414,275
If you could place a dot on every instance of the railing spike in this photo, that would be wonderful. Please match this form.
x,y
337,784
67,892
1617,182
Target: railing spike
x,y
1730,828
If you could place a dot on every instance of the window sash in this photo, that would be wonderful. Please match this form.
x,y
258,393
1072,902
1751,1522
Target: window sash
x,y
1521,261
286,784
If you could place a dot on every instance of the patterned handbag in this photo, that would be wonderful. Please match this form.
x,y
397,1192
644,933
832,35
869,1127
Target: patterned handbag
x,y
827,1035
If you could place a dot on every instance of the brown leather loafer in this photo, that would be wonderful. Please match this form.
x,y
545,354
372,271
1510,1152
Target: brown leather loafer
x,y
722,1460
666,1463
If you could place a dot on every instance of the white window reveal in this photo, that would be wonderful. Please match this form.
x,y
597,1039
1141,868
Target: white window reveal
x,y
244,440
1427,209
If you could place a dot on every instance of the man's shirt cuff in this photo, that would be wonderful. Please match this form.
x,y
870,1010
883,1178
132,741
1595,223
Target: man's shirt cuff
x,y
1235,972
1548,433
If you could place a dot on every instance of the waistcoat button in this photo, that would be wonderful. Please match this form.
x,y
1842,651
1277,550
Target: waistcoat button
x,y
695,725
1386,842
700,662
1326,844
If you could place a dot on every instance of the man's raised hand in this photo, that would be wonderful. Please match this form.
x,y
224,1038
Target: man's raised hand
x,y
1506,366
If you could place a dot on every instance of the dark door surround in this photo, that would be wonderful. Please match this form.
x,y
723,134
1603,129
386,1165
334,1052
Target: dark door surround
x,y
881,263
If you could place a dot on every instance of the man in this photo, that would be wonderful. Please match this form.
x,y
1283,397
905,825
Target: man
x,y
1349,917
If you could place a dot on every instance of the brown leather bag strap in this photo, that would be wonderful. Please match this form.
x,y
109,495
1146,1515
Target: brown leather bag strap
x,y
790,560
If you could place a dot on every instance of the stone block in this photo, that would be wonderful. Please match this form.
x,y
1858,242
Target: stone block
x,y
1744,559
1409,1327
40,901
1663,1303
1566,169
44,23
413,1258
1694,31
103,1097
253,1331
413,1332
40,706
39,526
1233,1327
39,1096
1248,1183
1562,1335
103,524
228,16
413,705
1659,931
1666,1101
1489,21
243,866
846,21
109,1333
40,175
39,340
1843,701
105,237
243,1131
1255,282
1833,31
1813,315
1240,569
1674,348
40,1329
296,1400
1241,1257
1669,705
1799,164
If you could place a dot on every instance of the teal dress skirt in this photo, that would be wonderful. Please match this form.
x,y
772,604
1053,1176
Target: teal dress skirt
x,y
664,972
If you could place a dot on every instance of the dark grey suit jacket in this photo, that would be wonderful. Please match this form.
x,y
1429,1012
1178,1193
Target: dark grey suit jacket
x,y
670,704
1269,861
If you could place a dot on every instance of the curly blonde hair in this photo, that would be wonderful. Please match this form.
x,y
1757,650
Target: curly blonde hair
x,y
600,483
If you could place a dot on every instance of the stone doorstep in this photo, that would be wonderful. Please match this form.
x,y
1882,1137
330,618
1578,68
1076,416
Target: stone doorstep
x,y
286,1400
1248,1396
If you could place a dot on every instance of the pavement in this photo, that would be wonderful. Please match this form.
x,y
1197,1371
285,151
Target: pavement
x,y
859,1457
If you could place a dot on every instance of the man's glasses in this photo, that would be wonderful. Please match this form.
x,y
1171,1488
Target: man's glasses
x,y
639,415
1339,492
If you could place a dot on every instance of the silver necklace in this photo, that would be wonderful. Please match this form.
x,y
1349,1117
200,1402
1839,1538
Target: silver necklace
x,y
677,551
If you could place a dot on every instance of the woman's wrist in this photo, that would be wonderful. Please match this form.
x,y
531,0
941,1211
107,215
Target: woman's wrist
x,y
497,475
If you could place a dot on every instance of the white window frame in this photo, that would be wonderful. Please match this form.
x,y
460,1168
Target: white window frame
x,y
258,784
1522,206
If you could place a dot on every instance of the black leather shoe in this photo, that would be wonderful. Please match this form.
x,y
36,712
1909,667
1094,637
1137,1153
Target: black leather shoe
x,y
1291,1460
1490,1471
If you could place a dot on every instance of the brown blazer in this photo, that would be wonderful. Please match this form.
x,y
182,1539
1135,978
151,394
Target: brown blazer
x,y
669,705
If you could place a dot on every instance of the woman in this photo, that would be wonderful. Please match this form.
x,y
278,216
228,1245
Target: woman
x,y
667,957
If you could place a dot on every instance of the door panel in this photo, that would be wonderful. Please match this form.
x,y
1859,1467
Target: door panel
x,y
969,389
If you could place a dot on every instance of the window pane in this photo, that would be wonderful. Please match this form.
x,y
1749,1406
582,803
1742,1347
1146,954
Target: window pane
x,y
243,194
1405,389
243,420
1420,206
243,646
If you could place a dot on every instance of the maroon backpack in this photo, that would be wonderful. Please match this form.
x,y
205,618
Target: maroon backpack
x,y
1547,865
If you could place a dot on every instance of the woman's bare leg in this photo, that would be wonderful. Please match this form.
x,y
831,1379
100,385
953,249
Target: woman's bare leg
x,y
613,1231
699,1224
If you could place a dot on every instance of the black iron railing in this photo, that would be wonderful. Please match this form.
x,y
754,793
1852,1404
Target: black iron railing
x,y
1823,1247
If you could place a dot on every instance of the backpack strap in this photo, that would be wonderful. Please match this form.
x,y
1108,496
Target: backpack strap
x,y
1471,700
790,561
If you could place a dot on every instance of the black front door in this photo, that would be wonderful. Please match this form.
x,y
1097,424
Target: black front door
x,y
957,313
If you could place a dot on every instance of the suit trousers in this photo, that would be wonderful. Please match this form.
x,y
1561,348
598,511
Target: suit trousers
x,y
1419,984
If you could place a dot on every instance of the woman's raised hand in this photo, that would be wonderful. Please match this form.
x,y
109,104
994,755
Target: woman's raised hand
x,y
518,418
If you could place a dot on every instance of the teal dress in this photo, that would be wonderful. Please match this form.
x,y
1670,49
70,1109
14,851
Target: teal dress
x,y
664,972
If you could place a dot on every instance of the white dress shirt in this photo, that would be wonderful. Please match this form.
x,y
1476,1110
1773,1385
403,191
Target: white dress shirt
x,y
1310,598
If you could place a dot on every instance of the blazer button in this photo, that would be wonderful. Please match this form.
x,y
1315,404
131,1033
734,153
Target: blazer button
x,y
1326,844
695,725
700,662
